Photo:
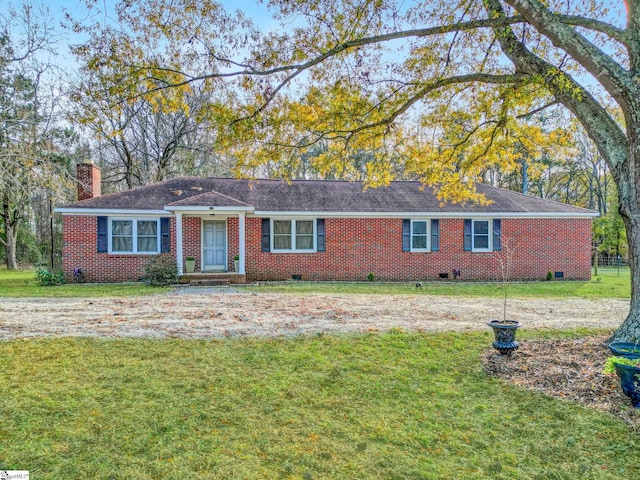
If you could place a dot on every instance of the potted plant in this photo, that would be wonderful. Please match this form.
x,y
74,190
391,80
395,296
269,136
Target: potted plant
x,y
505,330
236,263
189,264
628,370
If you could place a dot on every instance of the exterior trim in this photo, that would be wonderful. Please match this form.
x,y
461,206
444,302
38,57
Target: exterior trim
x,y
110,212
418,215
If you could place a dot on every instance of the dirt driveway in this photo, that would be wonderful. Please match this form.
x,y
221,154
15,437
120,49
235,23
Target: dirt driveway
x,y
217,313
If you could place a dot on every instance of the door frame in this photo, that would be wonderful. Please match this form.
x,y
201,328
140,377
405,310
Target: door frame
x,y
225,267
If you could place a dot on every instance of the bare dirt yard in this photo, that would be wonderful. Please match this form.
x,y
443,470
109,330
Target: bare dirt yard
x,y
223,312
567,369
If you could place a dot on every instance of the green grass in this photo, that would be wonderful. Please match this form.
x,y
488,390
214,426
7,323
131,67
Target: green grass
x,y
608,284
392,405
22,283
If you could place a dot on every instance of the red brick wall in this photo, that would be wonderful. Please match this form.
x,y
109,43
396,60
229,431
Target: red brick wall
x,y
191,244
89,180
79,237
357,247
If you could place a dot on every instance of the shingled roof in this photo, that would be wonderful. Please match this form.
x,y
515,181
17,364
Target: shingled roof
x,y
315,196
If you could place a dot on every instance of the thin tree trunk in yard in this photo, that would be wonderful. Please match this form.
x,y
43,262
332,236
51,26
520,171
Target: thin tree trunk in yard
x,y
11,232
10,219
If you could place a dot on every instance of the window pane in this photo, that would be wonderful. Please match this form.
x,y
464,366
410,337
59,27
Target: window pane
x,y
122,227
419,241
282,242
419,228
481,228
147,244
122,244
122,236
304,242
146,228
481,241
147,236
304,234
304,227
281,227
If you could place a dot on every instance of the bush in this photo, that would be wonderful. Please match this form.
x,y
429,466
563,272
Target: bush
x,y
49,279
549,276
161,271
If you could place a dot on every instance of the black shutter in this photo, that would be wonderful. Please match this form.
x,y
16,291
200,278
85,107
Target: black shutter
x,y
266,235
165,235
406,235
467,235
497,235
103,240
320,241
435,235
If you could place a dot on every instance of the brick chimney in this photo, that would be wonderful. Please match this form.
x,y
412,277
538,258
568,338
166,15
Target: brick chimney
x,y
89,180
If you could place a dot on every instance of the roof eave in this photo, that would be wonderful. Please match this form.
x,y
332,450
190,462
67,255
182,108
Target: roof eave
x,y
110,211
436,214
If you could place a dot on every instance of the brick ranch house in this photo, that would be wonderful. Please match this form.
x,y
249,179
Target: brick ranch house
x,y
319,230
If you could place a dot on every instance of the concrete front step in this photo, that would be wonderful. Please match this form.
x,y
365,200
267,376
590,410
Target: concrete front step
x,y
206,282
208,279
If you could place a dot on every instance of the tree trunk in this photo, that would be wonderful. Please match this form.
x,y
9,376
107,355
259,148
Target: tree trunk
x,y
629,196
10,220
11,232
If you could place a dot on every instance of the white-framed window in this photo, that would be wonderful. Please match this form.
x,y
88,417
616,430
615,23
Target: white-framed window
x,y
420,235
481,234
129,235
293,235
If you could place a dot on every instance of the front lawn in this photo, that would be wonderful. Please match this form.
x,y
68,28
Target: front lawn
x,y
22,283
609,283
392,405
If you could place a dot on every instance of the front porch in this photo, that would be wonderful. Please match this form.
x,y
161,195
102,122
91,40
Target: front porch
x,y
213,237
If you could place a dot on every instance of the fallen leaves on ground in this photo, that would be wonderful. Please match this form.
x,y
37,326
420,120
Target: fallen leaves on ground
x,y
567,369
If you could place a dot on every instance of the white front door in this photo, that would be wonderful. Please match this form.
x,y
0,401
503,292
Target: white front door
x,y
214,245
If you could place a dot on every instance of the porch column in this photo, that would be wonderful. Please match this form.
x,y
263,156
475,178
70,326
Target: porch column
x,y
179,243
241,242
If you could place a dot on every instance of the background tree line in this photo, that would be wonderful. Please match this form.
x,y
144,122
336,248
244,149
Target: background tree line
x,y
51,120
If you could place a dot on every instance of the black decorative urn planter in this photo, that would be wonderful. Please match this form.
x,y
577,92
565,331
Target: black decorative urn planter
x,y
625,349
505,334
630,382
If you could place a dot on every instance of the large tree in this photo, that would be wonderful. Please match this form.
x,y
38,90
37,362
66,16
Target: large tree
x,y
138,141
26,118
448,84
